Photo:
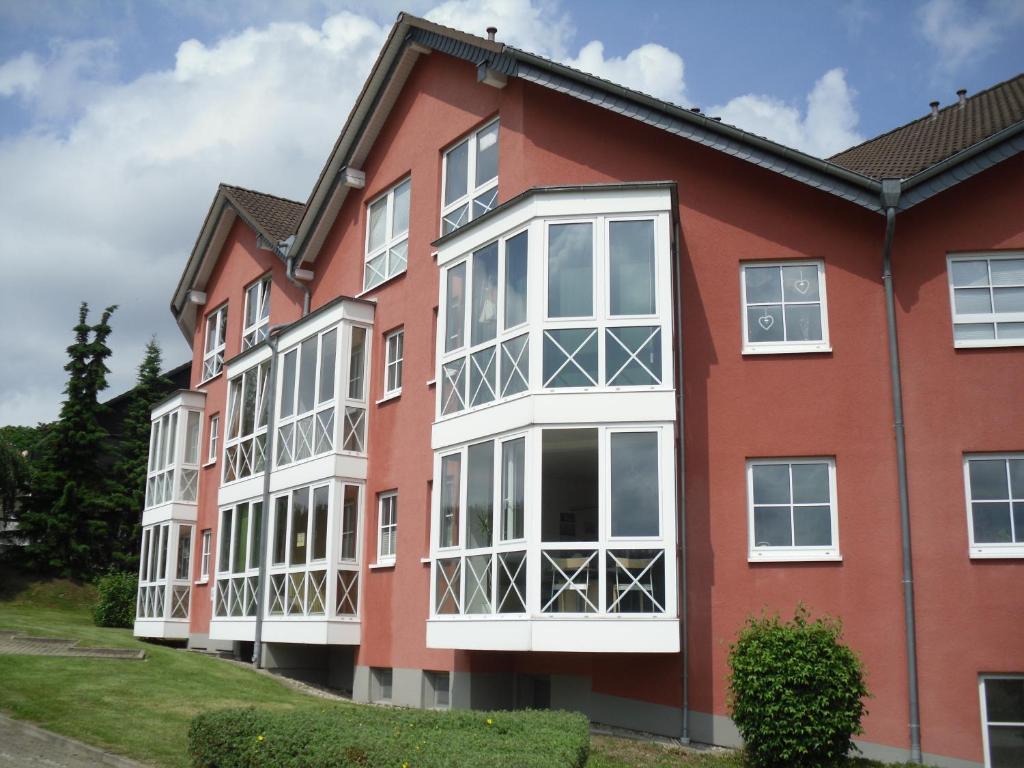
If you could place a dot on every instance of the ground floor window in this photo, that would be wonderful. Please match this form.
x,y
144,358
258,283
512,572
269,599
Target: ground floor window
x,y
437,692
1002,715
381,683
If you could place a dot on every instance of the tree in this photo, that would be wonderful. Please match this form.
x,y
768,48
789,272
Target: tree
x,y
13,477
69,515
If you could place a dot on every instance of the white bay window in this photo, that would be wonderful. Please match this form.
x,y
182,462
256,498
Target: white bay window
x,y
245,441
238,546
307,399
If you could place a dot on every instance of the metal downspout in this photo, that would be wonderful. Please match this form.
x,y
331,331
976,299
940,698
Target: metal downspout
x,y
890,198
684,737
292,262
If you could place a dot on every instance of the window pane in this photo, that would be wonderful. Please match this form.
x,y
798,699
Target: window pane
x,y
451,472
288,384
1011,330
812,526
1007,271
455,311
1018,521
570,270
810,484
516,249
631,267
515,365
1006,746
1017,478
991,522
763,284
570,358
633,356
964,332
328,354
184,551
970,273
255,524
192,437
307,374
988,479
1004,700
252,302
162,568
569,485
484,313
456,172
480,495
248,402
765,324
772,527
513,488
349,518
238,563
972,301
356,363
375,271
1009,299
482,376
453,386
455,219
378,223
300,521
487,154
803,322
634,481
400,224
800,283
319,548
224,542
771,483
280,530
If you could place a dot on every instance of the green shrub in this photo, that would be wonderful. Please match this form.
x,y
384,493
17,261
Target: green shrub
x,y
374,737
116,604
796,692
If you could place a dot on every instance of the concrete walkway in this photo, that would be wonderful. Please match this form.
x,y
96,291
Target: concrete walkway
x,y
24,645
23,745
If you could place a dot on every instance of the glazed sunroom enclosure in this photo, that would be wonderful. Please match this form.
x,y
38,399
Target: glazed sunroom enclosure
x,y
554,479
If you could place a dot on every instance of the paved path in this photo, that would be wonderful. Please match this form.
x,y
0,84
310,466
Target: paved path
x,y
13,643
23,745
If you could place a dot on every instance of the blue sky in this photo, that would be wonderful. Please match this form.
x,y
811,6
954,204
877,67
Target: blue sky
x,y
117,119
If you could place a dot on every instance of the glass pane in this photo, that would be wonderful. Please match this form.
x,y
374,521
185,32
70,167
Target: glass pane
x,y
631,267
988,479
1009,299
772,527
375,271
255,523
377,227
455,219
515,365
1004,700
1007,271
453,386
192,437
513,488
810,484
478,584
400,223
398,258
812,526
511,582
447,588
771,483
240,556
763,284
991,522
569,485
800,283
970,273
570,270
252,302
480,495
803,322
288,384
485,202
516,250
161,572
1006,746
1011,330
632,356
280,530
968,331
1017,478
765,324
356,364
307,375
328,355
569,581
972,301
455,311
184,551
456,172
300,521
224,543
349,521
634,484
319,548
248,402
484,313
635,581
451,473
570,358
482,377
171,433
487,154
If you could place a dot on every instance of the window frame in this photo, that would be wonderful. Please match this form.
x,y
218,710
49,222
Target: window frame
x,y
994,318
784,347
983,711
990,550
261,410
216,354
213,438
793,553
396,338
206,537
257,332
391,240
473,191
382,557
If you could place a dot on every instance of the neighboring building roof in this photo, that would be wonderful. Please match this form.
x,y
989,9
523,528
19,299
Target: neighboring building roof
x,y
278,216
905,151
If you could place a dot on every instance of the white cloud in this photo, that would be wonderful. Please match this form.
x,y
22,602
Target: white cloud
x,y
68,79
963,32
20,75
538,27
651,69
828,126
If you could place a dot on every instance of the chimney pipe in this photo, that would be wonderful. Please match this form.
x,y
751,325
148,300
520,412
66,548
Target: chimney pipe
x,y
935,109
491,32
961,96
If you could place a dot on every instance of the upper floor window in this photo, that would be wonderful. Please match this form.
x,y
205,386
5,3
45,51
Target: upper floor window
x,y
792,509
257,313
987,297
306,404
213,351
214,437
995,504
470,178
204,560
784,307
245,441
387,235
395,353
387,527
166,457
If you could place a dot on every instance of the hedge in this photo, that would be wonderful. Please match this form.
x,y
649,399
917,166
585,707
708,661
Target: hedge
x,y
115,606
374,737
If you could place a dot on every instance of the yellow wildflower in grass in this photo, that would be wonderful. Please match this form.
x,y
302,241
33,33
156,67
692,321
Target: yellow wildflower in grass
x,y
490,721
260,737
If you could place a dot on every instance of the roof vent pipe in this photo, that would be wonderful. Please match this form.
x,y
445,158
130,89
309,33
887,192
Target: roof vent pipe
x,y
491,32
935,108
961,96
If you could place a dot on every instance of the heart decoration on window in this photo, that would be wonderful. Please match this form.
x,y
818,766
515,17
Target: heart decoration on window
x,y
802,285
766,321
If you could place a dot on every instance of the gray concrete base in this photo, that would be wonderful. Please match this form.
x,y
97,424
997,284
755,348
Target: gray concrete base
x,y
326,665
202,642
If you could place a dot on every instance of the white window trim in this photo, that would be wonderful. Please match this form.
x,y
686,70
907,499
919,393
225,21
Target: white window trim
x,y
214,439
389,338
219,316
987,551
390,240
793,553
785,347
982,679
382,558
251,335
992,317
472,191
204,556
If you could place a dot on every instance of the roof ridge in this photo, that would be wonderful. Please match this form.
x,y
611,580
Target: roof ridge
x,y
263,194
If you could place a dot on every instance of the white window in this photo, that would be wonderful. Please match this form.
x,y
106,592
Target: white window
x,y
470,186
387,235
213,351
986,293
214,436
784,307
307,398
792,509
387,527
238,547
395,353
245,443
257,313
1002,718
204,561
995,504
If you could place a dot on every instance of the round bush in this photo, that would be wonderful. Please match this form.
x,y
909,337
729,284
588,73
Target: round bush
x,y
116,604
796,692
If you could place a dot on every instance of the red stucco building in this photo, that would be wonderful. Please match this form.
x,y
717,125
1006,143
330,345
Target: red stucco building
x,y
549,385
